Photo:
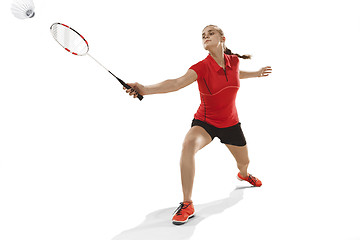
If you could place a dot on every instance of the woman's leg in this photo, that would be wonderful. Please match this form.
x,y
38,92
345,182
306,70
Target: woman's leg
x,y
195,139
242,159
241,156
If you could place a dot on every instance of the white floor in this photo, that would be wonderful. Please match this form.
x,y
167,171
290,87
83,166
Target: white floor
x,y
81,160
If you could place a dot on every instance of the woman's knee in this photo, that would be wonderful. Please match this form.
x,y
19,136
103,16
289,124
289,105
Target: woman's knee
x,y
196,139
190,144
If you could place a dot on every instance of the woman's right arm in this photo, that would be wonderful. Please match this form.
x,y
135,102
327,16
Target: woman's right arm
x,y
166,86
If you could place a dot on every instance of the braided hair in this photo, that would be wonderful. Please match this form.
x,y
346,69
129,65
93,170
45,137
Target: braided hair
x,y
229,52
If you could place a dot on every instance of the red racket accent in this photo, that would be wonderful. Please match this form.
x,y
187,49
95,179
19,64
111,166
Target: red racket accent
x,y
70,51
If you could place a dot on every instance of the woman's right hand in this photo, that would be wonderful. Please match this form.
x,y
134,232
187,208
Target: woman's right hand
x,y
136,88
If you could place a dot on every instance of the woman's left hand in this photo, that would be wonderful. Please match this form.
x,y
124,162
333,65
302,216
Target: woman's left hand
x,y
265,71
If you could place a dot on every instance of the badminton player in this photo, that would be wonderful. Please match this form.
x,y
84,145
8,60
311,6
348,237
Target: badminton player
x,y
218,81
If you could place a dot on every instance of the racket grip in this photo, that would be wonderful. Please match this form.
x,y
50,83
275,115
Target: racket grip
x,y
139,96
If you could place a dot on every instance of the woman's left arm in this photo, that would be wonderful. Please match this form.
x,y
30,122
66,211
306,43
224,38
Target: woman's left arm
x,y
263,72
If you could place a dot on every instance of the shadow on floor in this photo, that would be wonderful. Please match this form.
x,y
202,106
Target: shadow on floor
x,y
158,225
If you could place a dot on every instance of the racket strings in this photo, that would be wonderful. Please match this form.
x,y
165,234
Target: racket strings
x,y
69,39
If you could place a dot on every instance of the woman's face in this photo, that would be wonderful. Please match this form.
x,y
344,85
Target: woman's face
x,y
211,38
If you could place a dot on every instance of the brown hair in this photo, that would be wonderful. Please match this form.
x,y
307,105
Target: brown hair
x,y
227,50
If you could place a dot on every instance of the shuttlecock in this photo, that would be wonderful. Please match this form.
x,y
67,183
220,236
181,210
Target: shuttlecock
x,y
23,9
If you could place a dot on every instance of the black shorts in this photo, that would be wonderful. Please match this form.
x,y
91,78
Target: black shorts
x,y
231,135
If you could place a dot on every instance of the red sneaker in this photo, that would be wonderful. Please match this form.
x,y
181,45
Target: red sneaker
x,y
183,213
251,179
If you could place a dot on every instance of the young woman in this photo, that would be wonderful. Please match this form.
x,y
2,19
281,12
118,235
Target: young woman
x,y
218,80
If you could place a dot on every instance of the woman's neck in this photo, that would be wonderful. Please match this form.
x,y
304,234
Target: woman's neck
x,y
218,56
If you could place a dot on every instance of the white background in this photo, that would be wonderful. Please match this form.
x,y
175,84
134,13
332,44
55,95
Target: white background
x,y
79,159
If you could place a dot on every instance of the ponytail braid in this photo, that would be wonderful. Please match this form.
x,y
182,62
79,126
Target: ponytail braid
x,y
229,52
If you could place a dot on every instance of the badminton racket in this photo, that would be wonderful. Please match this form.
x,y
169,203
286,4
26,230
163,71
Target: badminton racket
x,y
75,43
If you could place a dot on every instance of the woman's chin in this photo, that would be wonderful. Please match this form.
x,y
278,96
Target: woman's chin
x,y
206,47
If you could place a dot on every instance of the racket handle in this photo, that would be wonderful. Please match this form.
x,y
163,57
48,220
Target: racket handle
x,y
139,96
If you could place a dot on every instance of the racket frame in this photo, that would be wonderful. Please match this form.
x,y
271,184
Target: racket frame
x,y
139,96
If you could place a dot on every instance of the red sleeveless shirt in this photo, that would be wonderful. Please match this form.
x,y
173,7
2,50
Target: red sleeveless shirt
x,y
218,88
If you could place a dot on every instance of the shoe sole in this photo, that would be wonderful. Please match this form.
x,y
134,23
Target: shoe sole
x,y
181,223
